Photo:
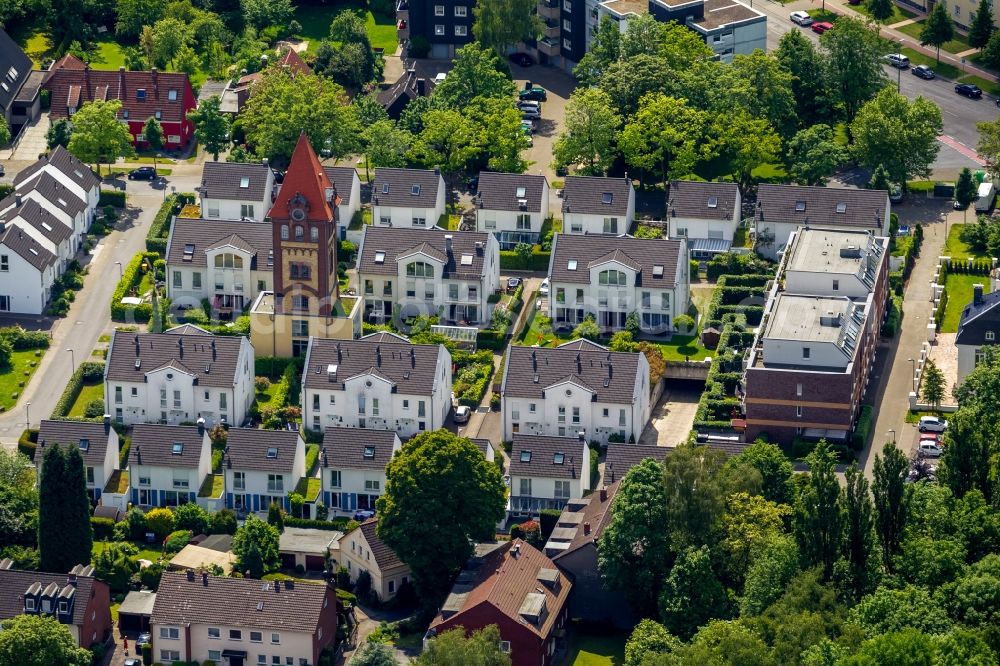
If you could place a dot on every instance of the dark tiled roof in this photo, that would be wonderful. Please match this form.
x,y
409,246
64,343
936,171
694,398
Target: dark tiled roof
x,y
153,444
862,208
56,193
401,182
343,180
40,219
620,458
14,583
344,448
483,445
63,160
587,250
544,452
211,366
395,98
247,449
499,191
385,557
586,195
553,366
976,320
693,199
221,180
595,512
410,367
93,84
241,602
26,247
70,433
305,181
203,234
15,67
396,243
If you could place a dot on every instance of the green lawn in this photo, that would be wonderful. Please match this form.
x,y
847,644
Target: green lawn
x,y
898,14
944,69
316,25
988,86
88,394
13,380
144,551
108,55
684,347
959,288
38,47
955,248
956,45
598,650
819,15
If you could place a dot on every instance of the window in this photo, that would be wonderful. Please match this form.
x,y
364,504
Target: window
x,y
228,260
372,485
300,328
256,637
421,409
805,352
439,30
567,25
798,390
491,224
239,481
284,232
181,480
798,411
453,292
135,392
419,269
611,225
172,633
531,407
374,406
560,295
140,93
438,10
174,138
419,221
334,478
461,10
262,659
118,394
172,95
213,632
246,210
158,115
526,487
4,263
144,480
621,417
392,587
90,470
215,655
196,280
562,490
461,30
275,483
177,399
562,414
170,655
177,280
615,278
300,234
235,635
990,336
300,302
576,415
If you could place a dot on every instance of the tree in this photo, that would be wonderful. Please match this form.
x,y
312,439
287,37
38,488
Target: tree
x,y
773,466
152,133
693,482
622,342
64,532
810,86
374,653
160,521
266,13
59,134
880,10
223,522
817,520
368,110
169,36
98,136
605,49
634,550
813,155
972,438
453,647
854,63
434,471
186,60
4,133
386,144
750,523
275,516
590,132
500,134
649,637
891,500
211,126
478,72
627,81
666,135
763,87
888,610
937,29
964,647
191,517
39,640
858,529
879,179
989,137
722,643
909,647
746,143
501,25
966,192
260,536
976,600
771,568
898,134
134,14
933,380
692,595
587,329
447,142
252,564
981,27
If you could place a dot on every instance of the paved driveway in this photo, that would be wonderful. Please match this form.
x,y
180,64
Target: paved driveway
x,y
559,85
673,416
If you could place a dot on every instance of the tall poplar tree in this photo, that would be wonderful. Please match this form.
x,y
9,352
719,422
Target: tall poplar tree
x,y
892,500
818,520
51,500
858,533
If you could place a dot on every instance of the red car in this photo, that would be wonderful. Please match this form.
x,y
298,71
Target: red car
x,y
821,27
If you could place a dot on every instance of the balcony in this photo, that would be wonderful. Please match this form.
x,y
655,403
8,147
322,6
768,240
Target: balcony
x,y
549,46
548,9
552,30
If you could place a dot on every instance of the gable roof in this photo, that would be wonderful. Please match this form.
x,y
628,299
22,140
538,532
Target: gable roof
x,y
385,557
305,181
346,448
69,84
241,602
798,204
396,243
252,237
978,318
74,433
484,445
499,191
49,187
14,584
569,534
401,183
153,444
62,160
642,254
406,88
223,180
247,449
47,224
213,361
594,368
587,194
26,247
412,368
15,68
513,578
620,458
343,180
704,201
539,456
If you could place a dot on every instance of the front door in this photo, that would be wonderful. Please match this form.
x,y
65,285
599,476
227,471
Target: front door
x,y
236,661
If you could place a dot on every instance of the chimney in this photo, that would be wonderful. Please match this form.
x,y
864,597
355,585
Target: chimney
x,y
17,200
138,455
204,578
71,577
180,346
534,360
515,551
107,424
190,575
413,358
201,426
447,243
977,294
213,350
152,73
586,529
422,87
339,355
582,435
378,355
277,586
604,494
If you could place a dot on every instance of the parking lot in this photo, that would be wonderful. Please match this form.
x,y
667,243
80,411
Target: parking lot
x,y
672,416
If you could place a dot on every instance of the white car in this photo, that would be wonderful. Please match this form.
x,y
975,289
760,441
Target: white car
x,y
543,288
802,18
932,424
929,449
462,414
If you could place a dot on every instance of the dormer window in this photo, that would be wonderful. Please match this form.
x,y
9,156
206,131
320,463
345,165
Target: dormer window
x,y
158,115
244,182
657,270
272,452
842,208
172,95
379,257
522,192
140,94
84,444
607,198
414,190
800,206
571,265
559,458
369,452
63,607
713,202
29,604
177,448
990,336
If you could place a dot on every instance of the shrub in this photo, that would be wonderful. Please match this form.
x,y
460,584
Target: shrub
x,y
192,518
27,443
862,429
131,277
94,409
150,576
159,230
160,522
337,523
103,528
114,198
22,340
136,521
548,519
176,540
87,371
223,522
538,260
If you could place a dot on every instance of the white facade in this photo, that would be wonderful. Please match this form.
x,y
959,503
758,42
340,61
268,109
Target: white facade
x,y
350,202
612,224
162,485
347,488
356,556
90,196
63,249
241,208
738,38
254,490
24,289
229,272
208,642
512,227
531,492
78,223
407,216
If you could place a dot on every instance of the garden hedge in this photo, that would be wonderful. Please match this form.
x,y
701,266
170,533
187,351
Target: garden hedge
x,y
156,238
114,198
103,528
22,340
87,370
512,261
131,277
27,443
338,524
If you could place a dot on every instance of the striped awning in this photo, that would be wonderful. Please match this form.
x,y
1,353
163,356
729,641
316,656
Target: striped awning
x,y
715,245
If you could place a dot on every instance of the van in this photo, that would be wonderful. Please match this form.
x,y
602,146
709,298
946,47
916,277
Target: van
x,y
987,193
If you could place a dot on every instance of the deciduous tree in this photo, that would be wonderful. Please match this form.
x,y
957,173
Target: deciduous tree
x,y
773,466
453,647
39,640
478,72
880,10
692,595
152,132
590,132
693,484
750,523
966,192
937,29
374,653
854,63
898,134
813,154
265,13
257,535
666,135
211,126
605,49
858,530
98,136
972,440
989,137
169,36
746,143
134,14
648,638
888,609
763,87
385,144
810,86
448,142
501,24
771,568
891,500
933,380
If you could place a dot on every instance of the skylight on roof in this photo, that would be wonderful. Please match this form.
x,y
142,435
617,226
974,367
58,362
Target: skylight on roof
x,y
800,205
379,257
177,448
385,188
84,444
522,192
466,259
525,456
657,270
12,73
571,265
244,181
189,248
46,226
172,95
414,190
33,251
62,202
559,458
713,202
272,452
842,208
607,198
140,93
369,451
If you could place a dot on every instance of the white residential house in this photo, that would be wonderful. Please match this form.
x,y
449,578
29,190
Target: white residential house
x,y
410,272
98,444
236,191
408,198
262,467
512,207
977,330
58,200
706,214
43,227
781,209
545,472
598,205
610,278
71,173
168,463
184,374
362,550
577,387
228,263
380,381
27,272
352,465
346,182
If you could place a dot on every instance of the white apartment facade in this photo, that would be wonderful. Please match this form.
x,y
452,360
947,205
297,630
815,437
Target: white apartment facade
x,y
168,463
352,464
705,214
236,191
405,198
98,444
512,207
28,272
262,467
361,550
603,206
545,472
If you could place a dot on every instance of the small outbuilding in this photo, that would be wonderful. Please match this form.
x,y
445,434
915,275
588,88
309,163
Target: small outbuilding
x,y
195,558
308,548
134,613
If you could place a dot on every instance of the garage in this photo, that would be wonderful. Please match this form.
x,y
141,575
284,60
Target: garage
x,y
134,613
287,560
307,548
315,563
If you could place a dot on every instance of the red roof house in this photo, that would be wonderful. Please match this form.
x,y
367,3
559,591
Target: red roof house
x,y
166,96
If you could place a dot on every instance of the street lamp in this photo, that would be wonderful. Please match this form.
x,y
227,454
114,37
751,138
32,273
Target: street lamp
x,y
893,435
27,414
72,359
899,71
913,373
119,265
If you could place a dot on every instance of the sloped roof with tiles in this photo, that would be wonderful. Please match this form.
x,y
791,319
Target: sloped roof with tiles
x,y
156,444
570,535
588,195
213,360
410,188
262,450
703,201
235,181
654,260
15,68
545,457
91,438
507,191
382,247
26,247
410,367
384,556
819,206
305,186
357,448
14,584
202,235
610,375
63,160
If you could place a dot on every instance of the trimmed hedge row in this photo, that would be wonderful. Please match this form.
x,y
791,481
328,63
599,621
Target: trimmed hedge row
x,y
728,299
729,264
114,198
865,422
22,340
27,443
86,371
156,238
339,523
512,261
716,404
894,316
131,277
490,339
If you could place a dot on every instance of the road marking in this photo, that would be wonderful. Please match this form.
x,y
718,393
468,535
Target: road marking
x,y
960,147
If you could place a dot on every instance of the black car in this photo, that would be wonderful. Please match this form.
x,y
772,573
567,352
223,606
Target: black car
x,y
969,90
142,173
522,59
923,71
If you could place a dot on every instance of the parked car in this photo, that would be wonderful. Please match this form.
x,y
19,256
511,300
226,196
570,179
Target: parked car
x,y
522,59
362,515
513,283
968,90
932,424
526,127
536,93
133,661
895,193
929,449
930,437
525,104
462,413
821,27
923,71
144,638
802,18
897,60
142,173
530,114
2,173
543,288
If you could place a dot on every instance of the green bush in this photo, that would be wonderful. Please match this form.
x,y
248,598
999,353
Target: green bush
x,y
861,430
312,454
114,198
339,523
894,316
159,231
512,261
22,340
131,277
103,528
491,340
86,371
27,443
176,540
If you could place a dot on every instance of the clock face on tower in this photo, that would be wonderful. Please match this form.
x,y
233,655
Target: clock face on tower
x,y
298,206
